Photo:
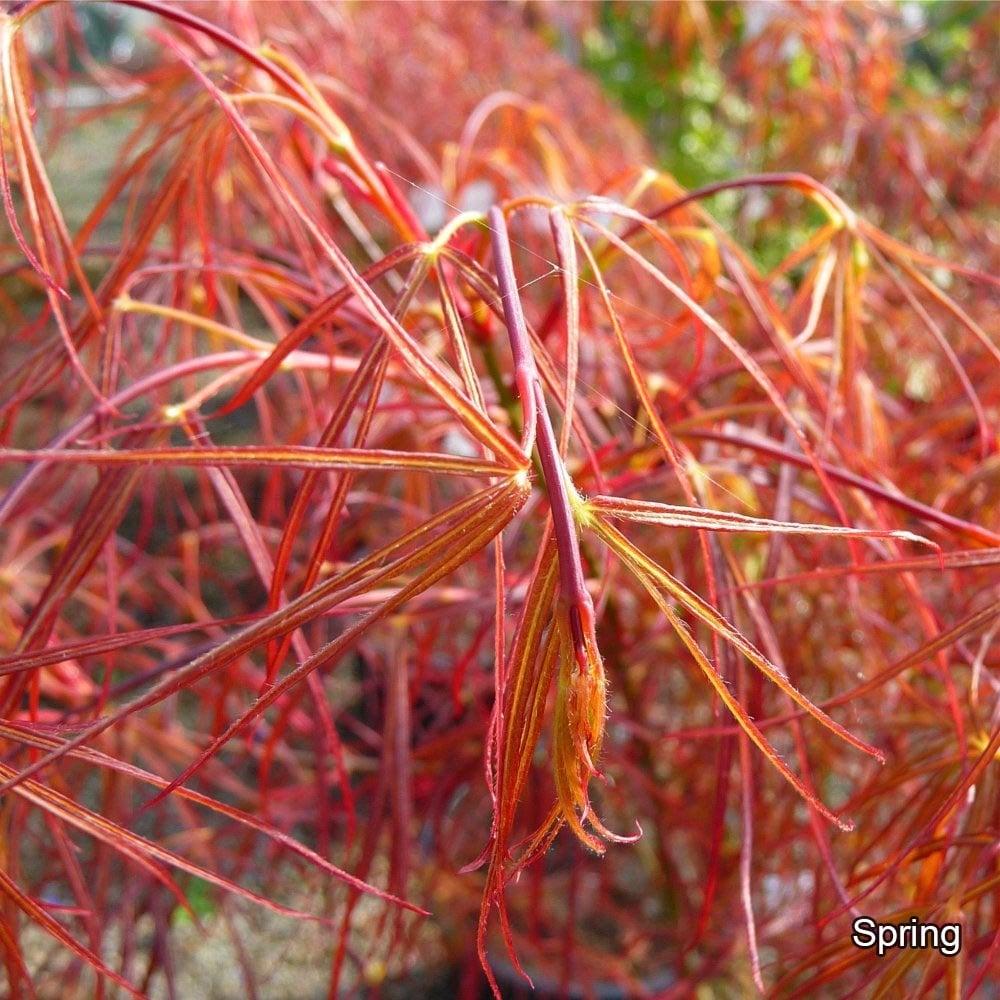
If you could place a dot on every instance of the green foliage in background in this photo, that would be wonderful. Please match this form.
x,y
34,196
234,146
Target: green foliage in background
x,y
690,110
685,108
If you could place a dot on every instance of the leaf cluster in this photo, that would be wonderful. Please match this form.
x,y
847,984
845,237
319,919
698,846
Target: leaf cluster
x,y
433,557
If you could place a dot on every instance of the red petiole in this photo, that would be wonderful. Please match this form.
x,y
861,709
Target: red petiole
x,y
538,431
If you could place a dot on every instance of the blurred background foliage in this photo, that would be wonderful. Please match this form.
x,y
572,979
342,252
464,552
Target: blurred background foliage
x,y
674,67
892,104
686,71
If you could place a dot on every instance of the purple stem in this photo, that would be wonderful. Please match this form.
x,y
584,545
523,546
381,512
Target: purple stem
x,y
572,584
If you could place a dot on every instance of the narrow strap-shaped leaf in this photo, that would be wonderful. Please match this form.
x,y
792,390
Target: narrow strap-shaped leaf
x,y
750,364
441,556
669,515
297,612
569,275
427,369
42,918
322,313
287,456
656,581
141,850
32,738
